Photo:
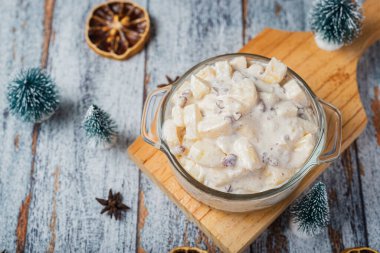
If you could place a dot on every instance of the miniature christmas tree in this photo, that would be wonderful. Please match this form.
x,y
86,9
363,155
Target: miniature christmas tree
x,y
310,214
99,127
32,95
335,22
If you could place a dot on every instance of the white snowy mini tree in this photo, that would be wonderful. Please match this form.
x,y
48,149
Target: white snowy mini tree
x,y
310,214
99,127
335,22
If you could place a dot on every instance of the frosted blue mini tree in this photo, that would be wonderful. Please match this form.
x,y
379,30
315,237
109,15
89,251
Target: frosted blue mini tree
x,y
335,22
310,214
99,127
32,95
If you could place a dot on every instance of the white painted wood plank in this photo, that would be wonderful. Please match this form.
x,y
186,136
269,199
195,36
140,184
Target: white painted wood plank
x,y
21,36
186,32
347,227
285,15
64,215
68,175
369,142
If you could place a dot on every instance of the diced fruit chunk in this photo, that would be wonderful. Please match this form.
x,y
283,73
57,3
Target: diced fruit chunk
x,y
214,126
207,73
237,76
286,108
302,150
183,95
191,117
208,105
198,87
224,143
295,93
308,126
195,170
255,70
231,105
247,156
275,71
269,98
206,153
247,131
170,133
223,70
177,115
245,92
239,63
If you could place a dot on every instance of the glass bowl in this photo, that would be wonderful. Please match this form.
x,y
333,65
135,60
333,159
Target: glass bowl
x,y
156,108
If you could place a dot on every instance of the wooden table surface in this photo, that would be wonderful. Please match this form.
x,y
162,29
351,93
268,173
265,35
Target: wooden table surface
x,y
49,177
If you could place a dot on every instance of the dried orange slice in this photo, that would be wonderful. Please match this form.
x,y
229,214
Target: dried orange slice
x,y
360,250
187,250
117,29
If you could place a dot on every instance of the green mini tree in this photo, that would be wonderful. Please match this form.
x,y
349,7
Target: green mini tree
x,y
335,22
32,95
99,127
310,214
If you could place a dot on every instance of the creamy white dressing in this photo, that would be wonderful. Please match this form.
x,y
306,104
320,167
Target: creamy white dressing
x,y
241,127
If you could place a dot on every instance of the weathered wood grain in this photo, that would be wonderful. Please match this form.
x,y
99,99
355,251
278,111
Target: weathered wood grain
x,y
368,145
56,201
22,36
184,33
348,225
64,215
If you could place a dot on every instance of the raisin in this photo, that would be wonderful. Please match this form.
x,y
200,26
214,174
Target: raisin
x,y
229,160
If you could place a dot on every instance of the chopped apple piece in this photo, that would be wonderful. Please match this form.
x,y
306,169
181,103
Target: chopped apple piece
x,y
191,117
247,156
223,179
295,93
214,126
231,105
239,63
255,70
177,115
224,143
208,105
245,92
247,131
177,98
276,176
305,143
275,71
269,99
208,73
199,88
223,70
286,108
206,153
308,126
194,170
237,77
302,150
170,133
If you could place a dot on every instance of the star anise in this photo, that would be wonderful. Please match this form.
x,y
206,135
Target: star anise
x,y
170,81
113,205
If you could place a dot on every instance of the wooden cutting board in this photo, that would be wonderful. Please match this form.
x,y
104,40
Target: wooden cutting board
x,y
331,75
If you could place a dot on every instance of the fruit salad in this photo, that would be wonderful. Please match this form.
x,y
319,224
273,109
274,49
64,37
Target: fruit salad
x,y
241,126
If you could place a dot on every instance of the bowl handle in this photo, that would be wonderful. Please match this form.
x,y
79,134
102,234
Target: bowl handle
x,y
151,109
334,152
